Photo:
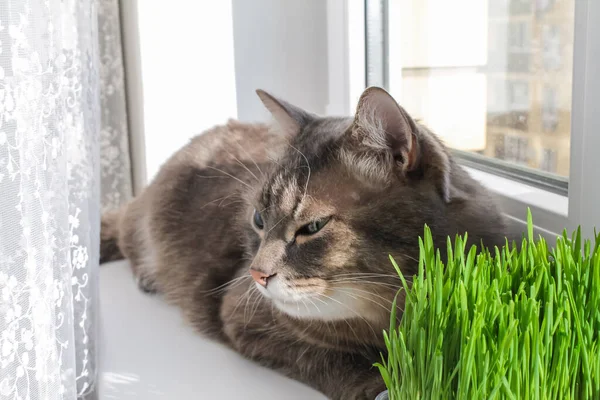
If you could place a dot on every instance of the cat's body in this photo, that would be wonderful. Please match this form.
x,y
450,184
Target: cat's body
x,y
333,198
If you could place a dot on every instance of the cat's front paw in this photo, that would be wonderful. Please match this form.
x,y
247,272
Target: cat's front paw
x,y
146,284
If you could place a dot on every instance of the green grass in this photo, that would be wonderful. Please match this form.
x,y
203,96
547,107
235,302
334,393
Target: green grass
x,y
508,324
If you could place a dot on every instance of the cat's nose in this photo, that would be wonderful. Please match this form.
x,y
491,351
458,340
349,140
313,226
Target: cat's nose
x,y
260,277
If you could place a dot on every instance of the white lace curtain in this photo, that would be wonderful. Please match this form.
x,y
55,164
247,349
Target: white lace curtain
x,y
61,101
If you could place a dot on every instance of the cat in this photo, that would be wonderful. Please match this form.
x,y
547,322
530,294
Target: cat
x,y
275,239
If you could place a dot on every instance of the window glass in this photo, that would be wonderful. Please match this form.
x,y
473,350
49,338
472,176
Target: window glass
x,y
491,77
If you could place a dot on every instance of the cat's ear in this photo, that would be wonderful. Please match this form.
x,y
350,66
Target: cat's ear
x,y
291,119
384,129
380,123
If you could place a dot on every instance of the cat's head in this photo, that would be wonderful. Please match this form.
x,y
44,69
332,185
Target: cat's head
x,y
346,194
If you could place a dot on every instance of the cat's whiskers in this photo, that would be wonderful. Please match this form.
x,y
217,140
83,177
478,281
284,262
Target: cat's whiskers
x,y
227,285
246,168
409,257
248,295
305,306
231,176
303,353
365,291
305,287
301,334
371,286
327,324
353,331
351,328
369,274
314,305
245,319
278,222
383,279
311,289
247,256
321,300
266,208
242,298
231,203
363,281
394,277
219,199
249,156
350,292
274,160
355,296
325,303
256,306
351,310
309,171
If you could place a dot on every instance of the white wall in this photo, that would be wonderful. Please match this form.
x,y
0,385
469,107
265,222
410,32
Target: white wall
x,y
280,46
187,71
191,65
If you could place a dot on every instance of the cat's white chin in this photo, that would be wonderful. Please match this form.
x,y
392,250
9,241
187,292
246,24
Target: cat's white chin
x,y
338,305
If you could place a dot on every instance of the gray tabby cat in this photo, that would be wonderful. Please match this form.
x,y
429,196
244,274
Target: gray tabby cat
x,y
275,241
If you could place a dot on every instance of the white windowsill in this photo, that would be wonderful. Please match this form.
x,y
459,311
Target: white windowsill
x,y
148,352
549,210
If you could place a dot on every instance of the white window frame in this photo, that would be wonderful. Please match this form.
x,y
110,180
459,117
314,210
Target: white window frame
x,y
552,212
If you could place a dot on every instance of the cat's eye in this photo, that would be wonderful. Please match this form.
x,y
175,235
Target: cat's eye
x,y
314,227
258,221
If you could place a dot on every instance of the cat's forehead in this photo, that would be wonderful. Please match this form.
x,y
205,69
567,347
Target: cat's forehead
x,y
317,194
283,190
318,134
296,189
307,158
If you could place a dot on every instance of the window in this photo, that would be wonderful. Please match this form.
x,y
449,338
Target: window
x,y
549,160
518,7
512,7
478,71
549,109
510,85
516,149
551,47
518,95
519,36
543,5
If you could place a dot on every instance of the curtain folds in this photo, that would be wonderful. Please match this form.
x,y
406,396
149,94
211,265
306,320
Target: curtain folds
x,y
63,157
